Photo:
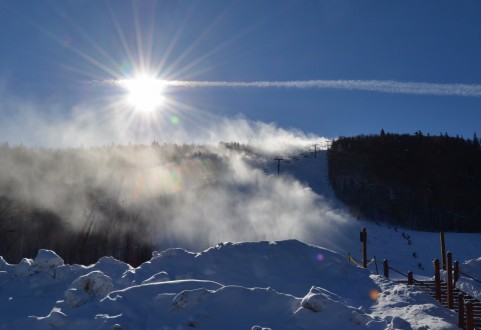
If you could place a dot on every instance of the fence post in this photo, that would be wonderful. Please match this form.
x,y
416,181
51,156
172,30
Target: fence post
x,y
437,280
449,279
456,272
410,278
364,247
386,268
461,311
443,250
469,316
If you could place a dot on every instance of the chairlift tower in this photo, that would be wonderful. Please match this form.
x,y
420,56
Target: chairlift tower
x,y
278,159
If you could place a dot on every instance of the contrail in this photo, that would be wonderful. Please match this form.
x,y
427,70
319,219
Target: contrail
x,y
382,86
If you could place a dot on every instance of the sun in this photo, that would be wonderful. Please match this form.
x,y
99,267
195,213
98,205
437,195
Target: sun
x,y
144,93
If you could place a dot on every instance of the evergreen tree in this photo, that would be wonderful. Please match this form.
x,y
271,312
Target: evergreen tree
x,y
475,140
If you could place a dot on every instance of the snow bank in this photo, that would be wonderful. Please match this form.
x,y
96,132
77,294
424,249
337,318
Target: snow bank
x,y
408,307
471,285
288,266
87,287
251,285
46,260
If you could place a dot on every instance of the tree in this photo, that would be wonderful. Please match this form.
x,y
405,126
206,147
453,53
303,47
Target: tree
x,y
475,140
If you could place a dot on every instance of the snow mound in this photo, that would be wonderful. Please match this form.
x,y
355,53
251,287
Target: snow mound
x,y
117,270
158,277
316,298
24,267
471,284
278,285
259,264
47,259
87,287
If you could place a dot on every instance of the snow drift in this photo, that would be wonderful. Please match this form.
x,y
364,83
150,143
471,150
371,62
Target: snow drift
x,y
251,285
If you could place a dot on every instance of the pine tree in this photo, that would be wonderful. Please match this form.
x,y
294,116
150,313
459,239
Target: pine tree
x,y
475,140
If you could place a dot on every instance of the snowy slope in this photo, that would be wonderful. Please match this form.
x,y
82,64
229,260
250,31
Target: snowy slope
x,y
406,250
281,284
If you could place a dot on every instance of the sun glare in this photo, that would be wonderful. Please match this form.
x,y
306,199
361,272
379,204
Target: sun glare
x,y
144,93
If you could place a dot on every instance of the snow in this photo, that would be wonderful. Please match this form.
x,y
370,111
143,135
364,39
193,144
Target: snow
x,y
283,284
88,287
47,259
249,285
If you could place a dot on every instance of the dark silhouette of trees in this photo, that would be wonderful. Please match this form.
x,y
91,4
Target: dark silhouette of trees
x,y
80,203
421,182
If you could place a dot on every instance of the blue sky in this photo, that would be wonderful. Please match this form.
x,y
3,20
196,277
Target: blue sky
x,y
59,59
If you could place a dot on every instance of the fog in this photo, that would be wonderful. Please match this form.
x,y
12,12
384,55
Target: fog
x,y
203,185
96,121
186,195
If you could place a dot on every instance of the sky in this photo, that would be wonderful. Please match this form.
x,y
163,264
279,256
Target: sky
x,y
327,68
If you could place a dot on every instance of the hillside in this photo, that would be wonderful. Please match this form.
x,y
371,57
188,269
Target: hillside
x,y
269,279
420,182
126,201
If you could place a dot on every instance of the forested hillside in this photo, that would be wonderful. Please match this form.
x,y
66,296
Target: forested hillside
x,y
86,203
127,200
421,182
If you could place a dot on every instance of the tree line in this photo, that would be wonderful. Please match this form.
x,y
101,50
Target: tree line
x,y
418,181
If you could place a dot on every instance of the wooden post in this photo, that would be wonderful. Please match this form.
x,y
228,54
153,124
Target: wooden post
x,y
456,272
364,247
437,279
410,278
461,311
449,279
443,250
386,268
469,316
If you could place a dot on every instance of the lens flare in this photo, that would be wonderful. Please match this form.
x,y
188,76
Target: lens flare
x,y
320,257
374,294
125,68
168,179
174,120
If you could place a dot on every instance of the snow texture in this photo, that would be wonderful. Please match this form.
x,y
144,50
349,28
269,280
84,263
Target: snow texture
x,y
250,285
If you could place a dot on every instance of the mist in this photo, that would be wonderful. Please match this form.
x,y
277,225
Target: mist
x,y
87,176
190,196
